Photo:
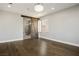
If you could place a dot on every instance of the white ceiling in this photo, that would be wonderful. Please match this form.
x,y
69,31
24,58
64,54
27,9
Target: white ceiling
x,y
28,8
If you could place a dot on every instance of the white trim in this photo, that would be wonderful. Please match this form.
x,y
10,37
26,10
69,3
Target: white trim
x,y
60,41
11,40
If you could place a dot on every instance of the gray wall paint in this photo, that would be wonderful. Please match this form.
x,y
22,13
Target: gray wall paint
x,y
11,26
63,25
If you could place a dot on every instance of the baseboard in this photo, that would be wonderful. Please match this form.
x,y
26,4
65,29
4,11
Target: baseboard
x,y
11,40
73,44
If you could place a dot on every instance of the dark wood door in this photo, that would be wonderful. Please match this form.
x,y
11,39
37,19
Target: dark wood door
x,y
34,28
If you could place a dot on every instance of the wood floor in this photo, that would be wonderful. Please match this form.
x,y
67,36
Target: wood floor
x,y
37,47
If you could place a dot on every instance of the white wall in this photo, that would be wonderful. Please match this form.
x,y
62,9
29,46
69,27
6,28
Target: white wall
x,y
11,26
63,25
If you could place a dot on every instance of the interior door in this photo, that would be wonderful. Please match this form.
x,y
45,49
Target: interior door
x,y
34,28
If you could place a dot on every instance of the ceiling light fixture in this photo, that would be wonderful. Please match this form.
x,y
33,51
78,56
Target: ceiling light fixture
x,y
38,7
10,5
52,8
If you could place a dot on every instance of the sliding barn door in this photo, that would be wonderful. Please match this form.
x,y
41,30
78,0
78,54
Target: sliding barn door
x,y
34,28
30,26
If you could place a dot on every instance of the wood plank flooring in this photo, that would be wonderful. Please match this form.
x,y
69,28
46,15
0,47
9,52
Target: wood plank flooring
x,y
37,47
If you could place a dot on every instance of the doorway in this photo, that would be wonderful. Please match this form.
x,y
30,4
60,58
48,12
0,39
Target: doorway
x,y
30,27
26,28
